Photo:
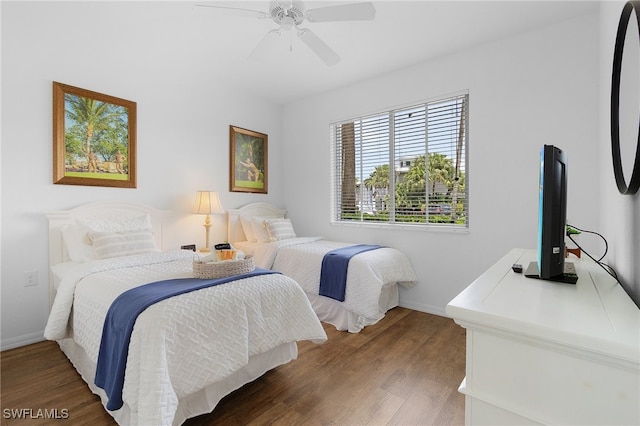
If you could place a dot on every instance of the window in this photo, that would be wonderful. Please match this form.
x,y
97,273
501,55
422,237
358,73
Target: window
x,y
427,184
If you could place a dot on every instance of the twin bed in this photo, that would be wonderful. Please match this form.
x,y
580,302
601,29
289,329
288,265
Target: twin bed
x,y
373,277
187,352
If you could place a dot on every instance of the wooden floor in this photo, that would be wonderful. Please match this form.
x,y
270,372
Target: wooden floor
x,y
405,370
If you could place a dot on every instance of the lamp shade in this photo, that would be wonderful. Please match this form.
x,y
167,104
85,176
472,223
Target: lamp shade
x,y
207,202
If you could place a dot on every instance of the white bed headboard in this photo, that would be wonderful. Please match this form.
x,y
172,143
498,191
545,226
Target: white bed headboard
x,y
253,209
102,209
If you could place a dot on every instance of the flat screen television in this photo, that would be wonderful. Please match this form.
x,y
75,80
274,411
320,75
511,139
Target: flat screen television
x,y
552,218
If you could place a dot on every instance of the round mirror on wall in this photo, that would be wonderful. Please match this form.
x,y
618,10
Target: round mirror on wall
x,y
625,100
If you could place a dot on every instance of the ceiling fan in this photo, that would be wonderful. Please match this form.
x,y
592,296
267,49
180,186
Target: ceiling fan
x,y
290,14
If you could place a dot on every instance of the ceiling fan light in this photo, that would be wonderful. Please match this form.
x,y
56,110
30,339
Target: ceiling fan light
x,y
287,23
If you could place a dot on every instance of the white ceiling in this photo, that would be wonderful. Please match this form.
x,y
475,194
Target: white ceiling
x,y
212,44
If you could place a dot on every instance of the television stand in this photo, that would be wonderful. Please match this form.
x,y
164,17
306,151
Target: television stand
x,y
543,353
569,275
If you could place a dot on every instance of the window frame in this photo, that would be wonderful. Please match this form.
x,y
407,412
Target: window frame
x,y
335,206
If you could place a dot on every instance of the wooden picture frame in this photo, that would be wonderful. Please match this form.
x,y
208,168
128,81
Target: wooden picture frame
x,y
94,138
248,161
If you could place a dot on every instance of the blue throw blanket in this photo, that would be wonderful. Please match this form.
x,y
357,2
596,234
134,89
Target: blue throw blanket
x,y
121,317
333,275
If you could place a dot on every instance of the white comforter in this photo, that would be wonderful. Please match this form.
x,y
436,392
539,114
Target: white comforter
x,y
301,259
185,343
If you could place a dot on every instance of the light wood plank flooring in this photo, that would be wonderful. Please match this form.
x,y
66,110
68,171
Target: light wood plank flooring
x,y
405,370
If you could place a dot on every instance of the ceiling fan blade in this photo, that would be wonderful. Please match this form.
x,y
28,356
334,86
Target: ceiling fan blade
x,y
346,12
265,46
318,47
247,13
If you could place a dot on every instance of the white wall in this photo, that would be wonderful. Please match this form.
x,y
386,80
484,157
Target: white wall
x,y
182,138
619,214
537,88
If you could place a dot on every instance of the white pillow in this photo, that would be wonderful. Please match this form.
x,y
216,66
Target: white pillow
x,y
115,224
253,227
260,231
76,239
247,227
78,248
115,244
280,229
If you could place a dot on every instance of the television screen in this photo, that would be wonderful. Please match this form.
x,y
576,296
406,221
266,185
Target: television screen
x,y
552,217
552,214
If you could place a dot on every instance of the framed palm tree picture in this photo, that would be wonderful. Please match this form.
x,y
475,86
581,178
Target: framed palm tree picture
x,y
248,165
94,138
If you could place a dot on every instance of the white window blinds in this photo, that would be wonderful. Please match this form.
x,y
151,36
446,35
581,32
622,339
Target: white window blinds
x,y
426,145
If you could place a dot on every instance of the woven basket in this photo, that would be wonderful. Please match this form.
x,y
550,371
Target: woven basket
x,y
209,270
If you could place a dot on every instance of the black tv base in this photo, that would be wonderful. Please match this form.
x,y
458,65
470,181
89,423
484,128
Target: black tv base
x,y
569,275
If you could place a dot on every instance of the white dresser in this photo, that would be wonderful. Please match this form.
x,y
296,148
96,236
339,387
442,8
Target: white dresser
x,y
540,352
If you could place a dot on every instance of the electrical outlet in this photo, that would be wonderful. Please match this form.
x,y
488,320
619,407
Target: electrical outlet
x,y
30,278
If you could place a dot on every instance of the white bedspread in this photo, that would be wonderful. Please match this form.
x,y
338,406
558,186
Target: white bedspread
x,y
301,259
185,343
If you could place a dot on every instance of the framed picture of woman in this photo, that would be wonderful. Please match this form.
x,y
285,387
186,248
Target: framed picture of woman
x,y
248,168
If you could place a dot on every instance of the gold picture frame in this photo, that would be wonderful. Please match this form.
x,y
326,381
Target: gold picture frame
x,y
94,138
248,161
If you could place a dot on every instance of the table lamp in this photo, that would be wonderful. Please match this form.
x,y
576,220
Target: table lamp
x,y
207,202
